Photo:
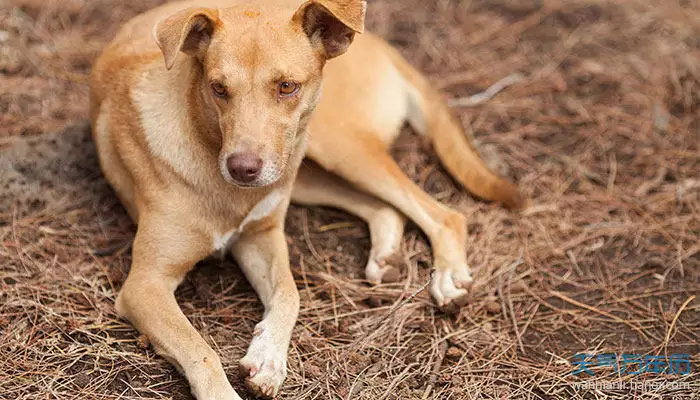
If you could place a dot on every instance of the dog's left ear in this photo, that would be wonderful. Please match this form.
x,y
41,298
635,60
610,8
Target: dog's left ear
x,y
188,31
331,24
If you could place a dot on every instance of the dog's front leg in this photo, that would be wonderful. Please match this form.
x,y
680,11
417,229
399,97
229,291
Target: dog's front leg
x,y
162,255
264,259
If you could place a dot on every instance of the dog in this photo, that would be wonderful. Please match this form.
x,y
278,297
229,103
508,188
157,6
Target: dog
x,y
203,112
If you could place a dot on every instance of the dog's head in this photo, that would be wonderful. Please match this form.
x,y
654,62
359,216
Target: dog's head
x,y
260,75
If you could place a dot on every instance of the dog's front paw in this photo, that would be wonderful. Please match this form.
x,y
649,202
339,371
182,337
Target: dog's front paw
x,y
264,367
209,385
383,269
450,287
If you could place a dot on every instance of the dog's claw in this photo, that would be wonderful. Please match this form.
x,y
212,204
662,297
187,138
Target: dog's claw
x,y
264,367
451,287
265,380
383,270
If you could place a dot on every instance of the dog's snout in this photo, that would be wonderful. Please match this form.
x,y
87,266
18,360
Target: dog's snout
x,y
244,167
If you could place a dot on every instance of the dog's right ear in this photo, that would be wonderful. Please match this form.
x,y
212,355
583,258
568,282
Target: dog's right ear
x,y
188,31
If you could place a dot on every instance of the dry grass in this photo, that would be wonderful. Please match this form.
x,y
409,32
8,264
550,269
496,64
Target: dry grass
x,y
603,134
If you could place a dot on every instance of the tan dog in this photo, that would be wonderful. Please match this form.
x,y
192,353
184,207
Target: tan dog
x,y
203,149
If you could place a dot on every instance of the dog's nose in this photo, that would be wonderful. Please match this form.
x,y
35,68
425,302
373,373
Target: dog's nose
x,y
244,167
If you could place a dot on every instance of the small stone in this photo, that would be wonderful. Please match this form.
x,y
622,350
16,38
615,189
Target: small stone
x,y
492,305
313,371
669,316
331,330
374,302
581,320
359,359
81,380
453,353
592,67
558,82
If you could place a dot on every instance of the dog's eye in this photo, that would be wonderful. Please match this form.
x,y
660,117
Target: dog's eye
x,y
219,89
287,88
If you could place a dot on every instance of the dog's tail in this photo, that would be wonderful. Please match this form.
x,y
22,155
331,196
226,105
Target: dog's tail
x,y
429,115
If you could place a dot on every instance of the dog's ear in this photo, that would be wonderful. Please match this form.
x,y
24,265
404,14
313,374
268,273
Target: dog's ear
x,y
188,31
331,24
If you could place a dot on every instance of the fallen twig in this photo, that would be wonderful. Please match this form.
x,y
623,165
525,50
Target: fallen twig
x,y
488,94
442,349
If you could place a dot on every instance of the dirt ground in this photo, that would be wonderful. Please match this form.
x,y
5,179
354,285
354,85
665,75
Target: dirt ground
x,y
603,133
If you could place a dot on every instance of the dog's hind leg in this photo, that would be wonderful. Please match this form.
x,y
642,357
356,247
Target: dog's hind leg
x,y
315,186
362,159
429,115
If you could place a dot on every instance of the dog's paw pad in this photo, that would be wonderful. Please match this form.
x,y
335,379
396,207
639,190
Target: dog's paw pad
x,y
263,378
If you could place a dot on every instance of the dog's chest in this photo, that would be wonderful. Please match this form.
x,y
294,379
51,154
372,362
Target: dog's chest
x,y
264,208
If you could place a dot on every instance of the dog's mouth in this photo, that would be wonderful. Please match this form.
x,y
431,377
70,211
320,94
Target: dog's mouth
x,y
244,185
257,183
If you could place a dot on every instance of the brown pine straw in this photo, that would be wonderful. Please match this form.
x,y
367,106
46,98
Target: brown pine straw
x,y
601,133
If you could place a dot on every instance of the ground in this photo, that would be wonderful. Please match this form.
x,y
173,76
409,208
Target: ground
x,y
602,134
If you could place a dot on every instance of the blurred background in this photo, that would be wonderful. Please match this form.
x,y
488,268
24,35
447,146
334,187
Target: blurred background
x,y
601,130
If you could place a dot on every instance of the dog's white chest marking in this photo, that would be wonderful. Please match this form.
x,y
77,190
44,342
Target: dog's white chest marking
x,y
261,210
